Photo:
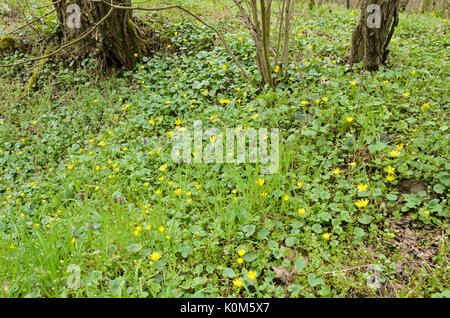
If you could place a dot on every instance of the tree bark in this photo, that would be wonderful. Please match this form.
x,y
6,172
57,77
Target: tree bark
x,y
369,42
117,38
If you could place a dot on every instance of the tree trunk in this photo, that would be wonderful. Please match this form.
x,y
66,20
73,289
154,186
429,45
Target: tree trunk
x,y
117,38
371,38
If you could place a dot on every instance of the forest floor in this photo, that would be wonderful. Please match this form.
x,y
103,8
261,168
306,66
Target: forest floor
x,y
92,205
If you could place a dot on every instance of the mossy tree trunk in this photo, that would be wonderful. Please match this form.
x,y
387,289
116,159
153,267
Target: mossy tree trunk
x,y
117,38
369,42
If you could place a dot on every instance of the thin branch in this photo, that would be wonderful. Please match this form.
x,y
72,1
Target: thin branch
x,y
63,46
31,22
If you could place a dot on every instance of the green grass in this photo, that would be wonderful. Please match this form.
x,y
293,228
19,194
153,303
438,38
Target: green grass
x,y
62,194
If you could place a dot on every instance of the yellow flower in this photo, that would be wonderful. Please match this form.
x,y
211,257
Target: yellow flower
x,y
224,67
390,170
300,184
406,94
337,171
413,72
102,143
277,69
178,191
326,235
301,211
426,105
241,252
263,194
352,164
251,275
394,153
303,102
261,182
155,256
161,229
390,178
353,83
240,260
163,167
70,167
426,212
362,203
212,139
286,198
362,187
237,282
349,119
73,240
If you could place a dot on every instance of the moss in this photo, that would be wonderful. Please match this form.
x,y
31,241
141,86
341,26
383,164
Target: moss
x,y
36,72
7,44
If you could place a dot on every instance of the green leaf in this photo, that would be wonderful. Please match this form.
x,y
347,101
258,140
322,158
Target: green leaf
x,y
439,188
229,273
263,233
313,280
134,248
365,219
300,265
186,250
317,228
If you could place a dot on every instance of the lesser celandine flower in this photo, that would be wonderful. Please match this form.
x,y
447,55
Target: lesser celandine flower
x,y
155,256
362,187
251,275
326,235
240,260
241,252
394,153
390,170
301,211
261,182
362,203
237,282
390,178
399,147
336,171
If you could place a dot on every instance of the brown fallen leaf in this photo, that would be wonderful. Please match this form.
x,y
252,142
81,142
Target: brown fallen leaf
x,y
283,275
